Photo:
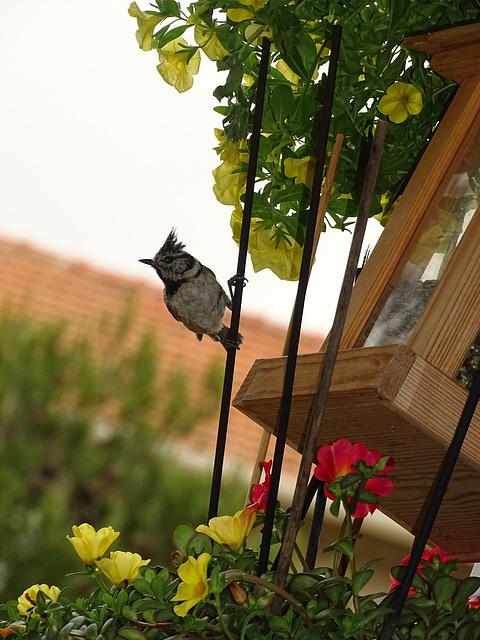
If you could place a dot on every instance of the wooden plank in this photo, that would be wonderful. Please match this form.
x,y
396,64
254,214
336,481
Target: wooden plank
x,y
451,320
434,41
391,251
458,63
434,403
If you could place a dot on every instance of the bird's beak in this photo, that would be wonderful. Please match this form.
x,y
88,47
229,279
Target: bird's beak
x,y
147,261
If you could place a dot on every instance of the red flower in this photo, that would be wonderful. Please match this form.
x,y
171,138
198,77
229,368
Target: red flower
x,y
260,491
337,459
474,601
429,556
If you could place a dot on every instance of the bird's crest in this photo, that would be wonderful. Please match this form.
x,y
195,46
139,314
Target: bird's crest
x,y
172,244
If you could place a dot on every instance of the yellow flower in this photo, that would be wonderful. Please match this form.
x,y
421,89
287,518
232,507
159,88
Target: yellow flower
x,y
400,101
255,32
232,152
230,530
28,599
121,567
270,248
207,39
194,586
285,70
387,208
146,24
237,15
175,66
229,186
90,544
302,169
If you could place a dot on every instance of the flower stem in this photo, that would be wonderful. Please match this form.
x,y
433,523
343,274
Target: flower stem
x,y
99,577
221,619
353,563
247,577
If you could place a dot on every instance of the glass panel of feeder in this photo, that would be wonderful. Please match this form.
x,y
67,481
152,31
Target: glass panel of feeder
x,y
426,263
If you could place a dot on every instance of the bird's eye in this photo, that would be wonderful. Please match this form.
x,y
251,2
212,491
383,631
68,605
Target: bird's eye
x,y
168,259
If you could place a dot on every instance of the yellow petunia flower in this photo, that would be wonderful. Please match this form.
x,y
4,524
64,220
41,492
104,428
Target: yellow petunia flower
x,y
270,249
400,101
302,169
28,599
194,585
285,70
229,186
90,544
255,33
207,40
175,66
237,15
121,567
146,25
230,530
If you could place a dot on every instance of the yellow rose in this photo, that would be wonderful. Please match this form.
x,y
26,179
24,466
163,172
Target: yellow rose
x,y
146,24
90,544
121,567
175,66
230,530
194,585
28,599
400,101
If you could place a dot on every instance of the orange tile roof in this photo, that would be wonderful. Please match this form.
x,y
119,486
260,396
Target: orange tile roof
x,y
47,287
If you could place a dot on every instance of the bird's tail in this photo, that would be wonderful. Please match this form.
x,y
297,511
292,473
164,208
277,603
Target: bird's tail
x,y
222,336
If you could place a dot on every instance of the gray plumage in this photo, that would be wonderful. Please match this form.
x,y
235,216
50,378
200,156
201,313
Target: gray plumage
x,y
192,294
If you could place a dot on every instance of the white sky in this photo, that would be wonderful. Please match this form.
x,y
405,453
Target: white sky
x,y
99,158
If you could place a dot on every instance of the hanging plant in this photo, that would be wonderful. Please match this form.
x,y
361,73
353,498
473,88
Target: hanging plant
x,y
376,78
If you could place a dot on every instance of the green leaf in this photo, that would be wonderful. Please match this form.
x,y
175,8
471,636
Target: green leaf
x,y
367,497
158,587
343,547
465,589
91,632
181,535
444,588
130,633
143,586
360,579
170,35
335,508
200,543
129,614
171,7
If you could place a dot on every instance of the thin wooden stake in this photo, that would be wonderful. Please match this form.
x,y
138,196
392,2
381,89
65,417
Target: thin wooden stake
x,y
325,377
321,211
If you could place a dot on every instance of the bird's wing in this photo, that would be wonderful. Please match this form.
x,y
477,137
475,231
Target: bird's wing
x,y
173,311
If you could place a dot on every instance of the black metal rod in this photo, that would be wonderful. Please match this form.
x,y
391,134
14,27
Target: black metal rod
x,y
238,282
291,363
313,487
433,507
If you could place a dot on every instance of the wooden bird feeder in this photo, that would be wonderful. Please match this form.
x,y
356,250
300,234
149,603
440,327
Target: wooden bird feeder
x,y
411,335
